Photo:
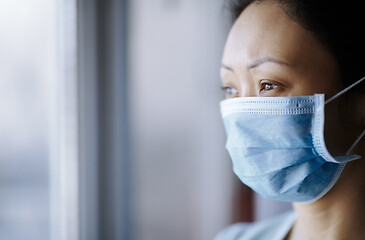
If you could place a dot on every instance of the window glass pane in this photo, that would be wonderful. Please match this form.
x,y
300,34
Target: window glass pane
x,y
27,65
181,174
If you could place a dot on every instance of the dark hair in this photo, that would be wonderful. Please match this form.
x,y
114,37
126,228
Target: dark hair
x,y
337,24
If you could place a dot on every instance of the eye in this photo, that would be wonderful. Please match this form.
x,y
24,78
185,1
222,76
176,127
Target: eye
x,y
266,86
230,92
269,86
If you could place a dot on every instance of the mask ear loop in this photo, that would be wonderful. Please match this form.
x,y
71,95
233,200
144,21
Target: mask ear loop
x,y
344,90
355,143
338,95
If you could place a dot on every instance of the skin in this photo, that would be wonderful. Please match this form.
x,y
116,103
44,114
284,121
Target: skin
x,y
269,54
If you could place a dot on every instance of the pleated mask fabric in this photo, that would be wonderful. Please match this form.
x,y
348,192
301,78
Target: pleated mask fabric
x,y
277,146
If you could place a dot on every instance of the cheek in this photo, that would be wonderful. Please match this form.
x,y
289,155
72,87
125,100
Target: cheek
x,y
303,87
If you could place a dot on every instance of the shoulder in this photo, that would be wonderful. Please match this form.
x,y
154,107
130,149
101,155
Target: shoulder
x,y
274,228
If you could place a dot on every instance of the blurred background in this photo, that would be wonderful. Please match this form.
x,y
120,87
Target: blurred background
x,y
110,125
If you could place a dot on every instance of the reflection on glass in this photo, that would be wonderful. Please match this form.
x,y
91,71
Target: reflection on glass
x,y
26,65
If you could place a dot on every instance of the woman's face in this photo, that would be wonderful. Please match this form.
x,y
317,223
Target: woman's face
x,y
269,54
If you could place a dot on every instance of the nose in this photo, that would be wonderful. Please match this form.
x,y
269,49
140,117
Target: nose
x,y
248,89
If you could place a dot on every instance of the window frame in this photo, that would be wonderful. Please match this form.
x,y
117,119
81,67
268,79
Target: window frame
x,y
90,162
103,121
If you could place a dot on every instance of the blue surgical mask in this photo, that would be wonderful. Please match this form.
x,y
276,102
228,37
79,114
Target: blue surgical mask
x,y
277,146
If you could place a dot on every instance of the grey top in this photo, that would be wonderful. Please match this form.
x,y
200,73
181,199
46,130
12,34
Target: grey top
x,y
272,229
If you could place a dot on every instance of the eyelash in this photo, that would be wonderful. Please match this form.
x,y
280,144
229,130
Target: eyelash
x,y
263,88
227,89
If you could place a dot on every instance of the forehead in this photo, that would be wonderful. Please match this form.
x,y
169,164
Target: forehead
x,y
265,29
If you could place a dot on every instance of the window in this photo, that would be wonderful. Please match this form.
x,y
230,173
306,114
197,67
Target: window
x,y
109,120
27,67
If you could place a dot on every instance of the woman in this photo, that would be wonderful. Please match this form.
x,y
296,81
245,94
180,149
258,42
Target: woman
x,y
295,115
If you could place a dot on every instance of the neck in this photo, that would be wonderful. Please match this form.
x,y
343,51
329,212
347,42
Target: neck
x,y
340,213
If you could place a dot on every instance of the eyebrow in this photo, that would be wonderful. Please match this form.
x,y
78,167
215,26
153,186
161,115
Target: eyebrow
x,y
227,67
257,62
